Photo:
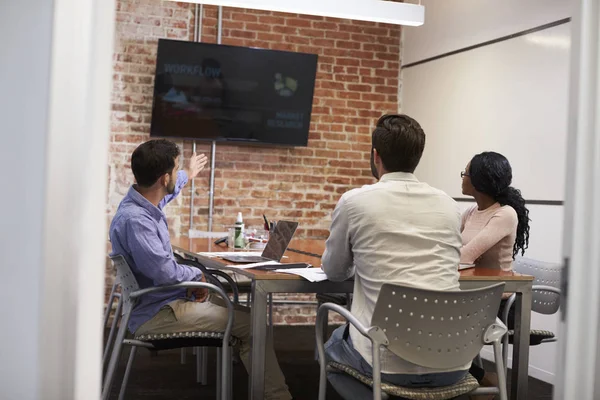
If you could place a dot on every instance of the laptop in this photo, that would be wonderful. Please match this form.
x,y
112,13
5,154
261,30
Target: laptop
x,y
279,240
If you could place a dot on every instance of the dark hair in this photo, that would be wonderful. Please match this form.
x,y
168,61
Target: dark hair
x,y
491,174
399,141
153,159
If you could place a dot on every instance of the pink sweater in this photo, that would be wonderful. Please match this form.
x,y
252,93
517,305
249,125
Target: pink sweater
x,y
488,236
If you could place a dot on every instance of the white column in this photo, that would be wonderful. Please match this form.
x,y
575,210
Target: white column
x,y
56,80
579,331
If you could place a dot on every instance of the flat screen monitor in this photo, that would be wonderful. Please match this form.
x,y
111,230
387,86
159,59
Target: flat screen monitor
x,y
229,93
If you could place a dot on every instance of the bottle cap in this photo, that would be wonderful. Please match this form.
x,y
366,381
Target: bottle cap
x,y
239,217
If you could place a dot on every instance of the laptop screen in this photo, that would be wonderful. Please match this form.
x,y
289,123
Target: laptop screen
x,y
279,240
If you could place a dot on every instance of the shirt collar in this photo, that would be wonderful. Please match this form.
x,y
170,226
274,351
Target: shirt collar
x,y
399,176
141,201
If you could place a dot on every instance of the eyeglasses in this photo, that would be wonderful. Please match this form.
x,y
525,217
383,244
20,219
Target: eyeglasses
x,y
463,174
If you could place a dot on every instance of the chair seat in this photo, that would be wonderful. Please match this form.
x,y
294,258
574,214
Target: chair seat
x,y
535,336
175,340
464,386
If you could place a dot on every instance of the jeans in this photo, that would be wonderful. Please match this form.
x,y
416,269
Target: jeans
x,y
339,349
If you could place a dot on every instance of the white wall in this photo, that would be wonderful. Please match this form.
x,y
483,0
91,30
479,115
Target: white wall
x,y
510,96
56,80
436,94
24,73
455,24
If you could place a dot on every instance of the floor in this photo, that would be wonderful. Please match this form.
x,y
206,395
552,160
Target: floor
x,y
162,376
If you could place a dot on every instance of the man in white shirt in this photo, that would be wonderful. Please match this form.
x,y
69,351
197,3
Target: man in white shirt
x,y
398,230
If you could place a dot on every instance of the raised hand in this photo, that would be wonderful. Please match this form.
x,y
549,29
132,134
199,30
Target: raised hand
x,y
196,164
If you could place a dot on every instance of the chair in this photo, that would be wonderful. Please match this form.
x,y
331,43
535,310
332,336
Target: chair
x,y
130,293
435,329
113,327
545,296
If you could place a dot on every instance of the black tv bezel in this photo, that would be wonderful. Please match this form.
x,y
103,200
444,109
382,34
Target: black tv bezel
x,y
243,142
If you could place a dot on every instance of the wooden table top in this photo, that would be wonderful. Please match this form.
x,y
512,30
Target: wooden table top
x,y
194,246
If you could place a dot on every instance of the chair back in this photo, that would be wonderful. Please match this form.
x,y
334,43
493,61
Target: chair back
x,y
436,329
544,274
127,281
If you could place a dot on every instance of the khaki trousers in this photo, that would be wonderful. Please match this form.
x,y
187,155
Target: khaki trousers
x,y
210,316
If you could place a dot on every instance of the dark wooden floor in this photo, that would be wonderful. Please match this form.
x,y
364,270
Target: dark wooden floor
x,y
163,377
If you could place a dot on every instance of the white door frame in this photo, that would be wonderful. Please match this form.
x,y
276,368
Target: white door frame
x,y
579,330
74,244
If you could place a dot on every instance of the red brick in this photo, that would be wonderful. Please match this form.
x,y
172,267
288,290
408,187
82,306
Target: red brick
x,y
259,27
271,20
298,22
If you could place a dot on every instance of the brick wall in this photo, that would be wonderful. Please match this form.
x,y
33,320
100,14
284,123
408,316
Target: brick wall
x,y
357,81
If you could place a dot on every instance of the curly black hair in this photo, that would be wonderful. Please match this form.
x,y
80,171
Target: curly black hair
x,y
491,174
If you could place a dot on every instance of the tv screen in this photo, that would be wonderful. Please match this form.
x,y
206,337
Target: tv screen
x,y
230,93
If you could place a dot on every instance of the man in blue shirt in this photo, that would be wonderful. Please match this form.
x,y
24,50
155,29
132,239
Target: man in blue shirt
x,y
140,233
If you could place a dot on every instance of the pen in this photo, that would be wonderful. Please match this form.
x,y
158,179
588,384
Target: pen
x,y
266,223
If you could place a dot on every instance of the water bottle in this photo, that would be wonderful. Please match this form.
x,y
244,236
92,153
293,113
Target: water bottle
x,y
238,238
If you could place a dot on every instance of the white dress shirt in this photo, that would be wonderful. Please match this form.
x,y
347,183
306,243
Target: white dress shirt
x,y
398,230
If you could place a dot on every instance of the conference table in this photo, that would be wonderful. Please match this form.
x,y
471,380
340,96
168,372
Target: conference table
x,y
264,283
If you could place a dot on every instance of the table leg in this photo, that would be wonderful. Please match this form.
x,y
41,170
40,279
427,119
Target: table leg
x,y
520,361
259,340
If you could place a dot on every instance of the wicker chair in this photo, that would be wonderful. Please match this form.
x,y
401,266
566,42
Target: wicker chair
x,y
546,299
130,293
435,329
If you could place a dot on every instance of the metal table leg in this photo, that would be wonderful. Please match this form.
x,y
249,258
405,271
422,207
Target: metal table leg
x,y
520,361
259,340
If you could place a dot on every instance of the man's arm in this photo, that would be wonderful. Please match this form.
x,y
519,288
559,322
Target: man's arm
x,y
182,179
151,259
196,164
337,260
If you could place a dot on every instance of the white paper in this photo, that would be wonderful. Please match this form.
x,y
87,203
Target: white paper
x,y
252,265
462,266
310,274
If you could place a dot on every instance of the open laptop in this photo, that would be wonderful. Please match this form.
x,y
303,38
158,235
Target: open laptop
x,y
279,240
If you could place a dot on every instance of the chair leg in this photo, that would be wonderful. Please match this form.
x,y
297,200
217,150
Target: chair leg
x,y
198,352
194,351
500,371
325,329
109,304
113,329
219,373
505,353
204,378
230,375
127,372
114,360
271,314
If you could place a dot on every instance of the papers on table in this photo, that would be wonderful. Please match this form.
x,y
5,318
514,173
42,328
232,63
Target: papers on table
x,y
310,274
462,266
252,265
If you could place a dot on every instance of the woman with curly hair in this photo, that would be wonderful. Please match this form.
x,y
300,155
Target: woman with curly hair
x,y
495,230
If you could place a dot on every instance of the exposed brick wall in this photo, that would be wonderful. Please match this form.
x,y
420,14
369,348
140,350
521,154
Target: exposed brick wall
x,y
357,81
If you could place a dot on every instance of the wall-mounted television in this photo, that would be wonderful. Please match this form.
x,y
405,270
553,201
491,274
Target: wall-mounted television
x,y
206,91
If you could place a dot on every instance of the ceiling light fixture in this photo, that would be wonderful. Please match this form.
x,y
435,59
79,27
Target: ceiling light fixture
x,y
388,12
